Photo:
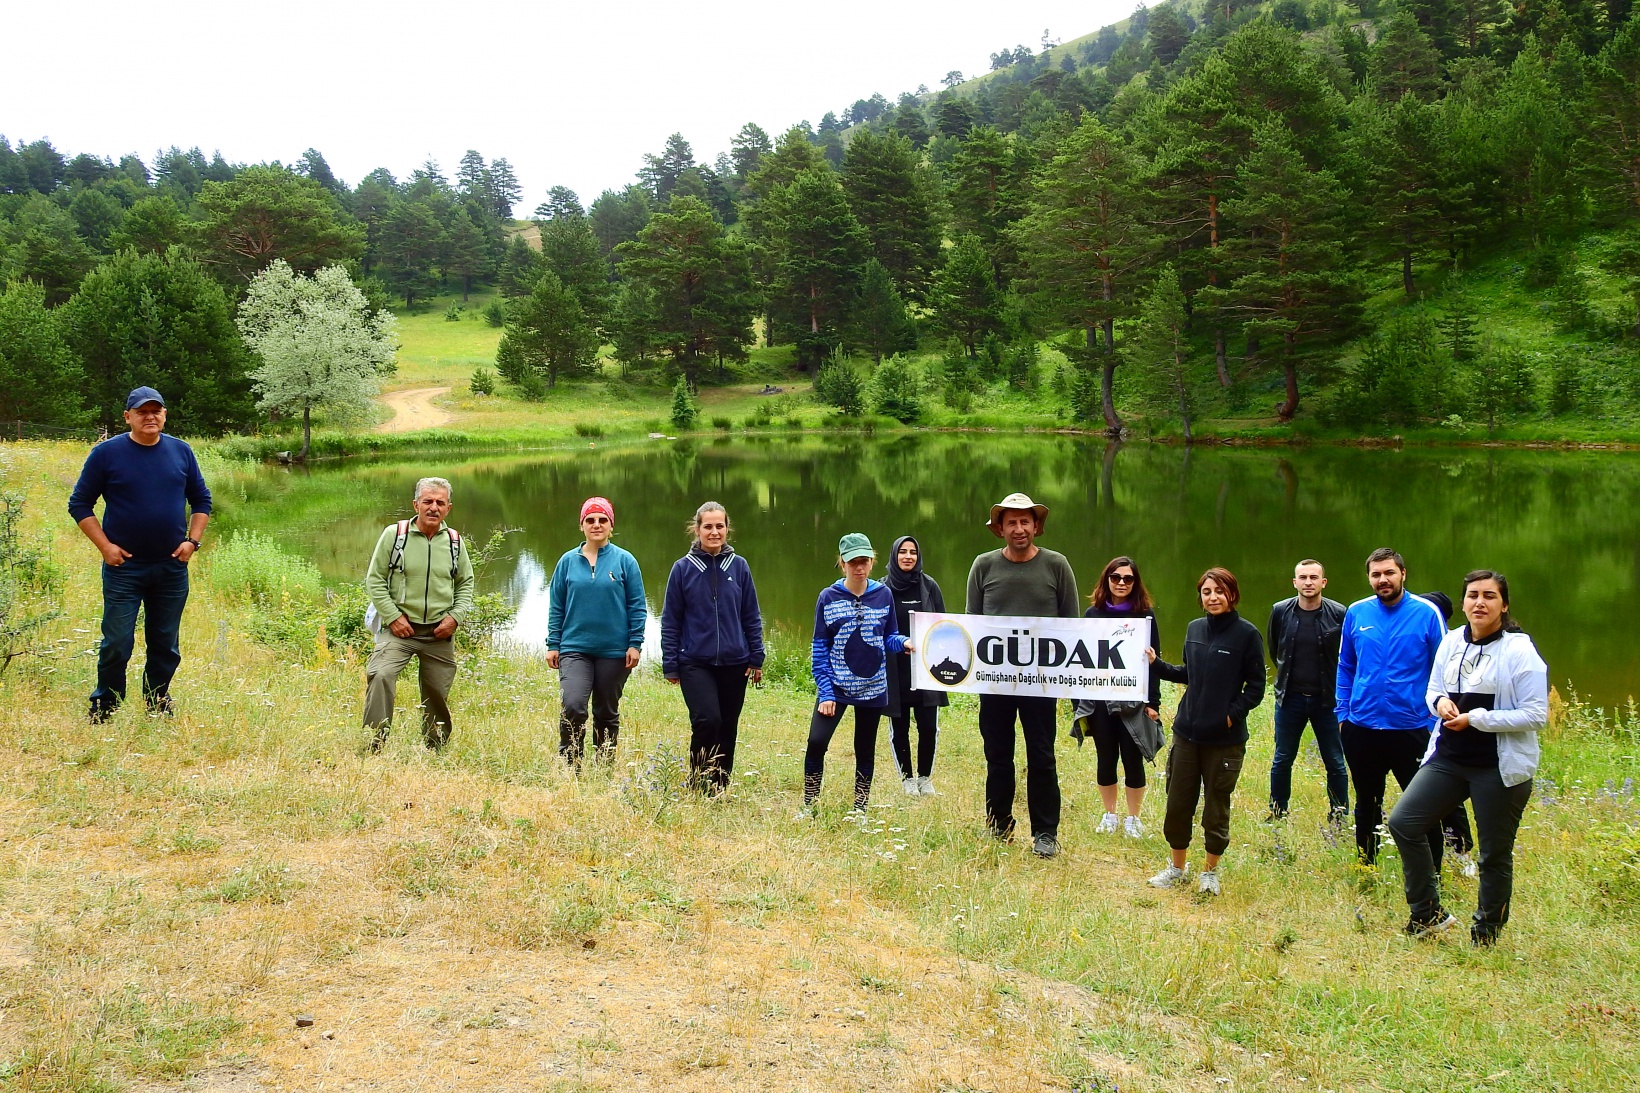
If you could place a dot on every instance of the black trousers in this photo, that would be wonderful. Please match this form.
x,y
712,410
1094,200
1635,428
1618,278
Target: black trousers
x,y
928,729
1371,755
1111,741
1037,719
1441,786
821,729
715,695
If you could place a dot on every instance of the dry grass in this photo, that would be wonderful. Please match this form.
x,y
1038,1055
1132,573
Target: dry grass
x,y
174,892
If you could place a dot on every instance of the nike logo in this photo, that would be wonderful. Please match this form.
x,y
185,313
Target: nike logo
x,y
1364,629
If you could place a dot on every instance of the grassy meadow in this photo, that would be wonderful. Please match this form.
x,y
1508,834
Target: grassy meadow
x,y
176,892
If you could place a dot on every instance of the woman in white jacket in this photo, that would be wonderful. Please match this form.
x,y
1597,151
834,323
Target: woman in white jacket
x,y
1490,690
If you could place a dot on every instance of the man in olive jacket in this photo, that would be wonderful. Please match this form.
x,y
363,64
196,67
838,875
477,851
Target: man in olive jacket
x,y
420,584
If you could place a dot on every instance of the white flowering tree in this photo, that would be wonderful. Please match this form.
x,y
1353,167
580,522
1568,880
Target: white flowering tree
x,y
318,342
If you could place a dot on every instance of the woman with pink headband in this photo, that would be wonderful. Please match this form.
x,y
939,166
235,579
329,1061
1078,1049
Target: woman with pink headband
x,y
595,624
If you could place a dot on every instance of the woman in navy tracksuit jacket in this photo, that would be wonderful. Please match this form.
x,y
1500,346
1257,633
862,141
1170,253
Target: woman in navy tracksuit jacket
x,y
711,643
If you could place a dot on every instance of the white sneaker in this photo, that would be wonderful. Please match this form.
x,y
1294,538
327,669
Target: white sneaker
x,y
1471,867
1109,824
911,789
925,786
1169,877
803,814
1209,882
1132,828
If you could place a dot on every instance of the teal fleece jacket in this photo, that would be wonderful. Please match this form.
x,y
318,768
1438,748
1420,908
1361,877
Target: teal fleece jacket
x,y
596,610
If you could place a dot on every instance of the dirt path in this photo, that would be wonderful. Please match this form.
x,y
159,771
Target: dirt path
x,y
414,410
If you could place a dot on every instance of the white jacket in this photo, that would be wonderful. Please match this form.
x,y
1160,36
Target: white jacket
x,y
1518,677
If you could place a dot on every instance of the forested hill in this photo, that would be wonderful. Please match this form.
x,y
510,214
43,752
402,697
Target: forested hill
x,y
1378,214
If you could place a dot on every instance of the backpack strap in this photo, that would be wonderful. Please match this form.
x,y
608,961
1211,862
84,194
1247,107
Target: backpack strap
x,y
455,551
395,560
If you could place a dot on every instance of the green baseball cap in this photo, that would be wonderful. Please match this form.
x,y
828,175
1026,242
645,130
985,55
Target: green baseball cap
x,y
854,545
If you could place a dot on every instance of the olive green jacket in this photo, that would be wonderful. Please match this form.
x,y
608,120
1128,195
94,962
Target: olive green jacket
x,y
421,588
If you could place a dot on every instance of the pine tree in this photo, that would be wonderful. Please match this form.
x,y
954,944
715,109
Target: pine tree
x,y
1291,275
660,173
521,265
1419,192
965,298
550,332
988,186
1087,231
618,218
895,202
819,251
463,251
748,148
684,408
569,249
878,321
1160,351
412,238
1612,140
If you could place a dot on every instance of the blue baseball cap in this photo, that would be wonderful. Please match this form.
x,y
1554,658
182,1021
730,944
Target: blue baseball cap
x,y
143,395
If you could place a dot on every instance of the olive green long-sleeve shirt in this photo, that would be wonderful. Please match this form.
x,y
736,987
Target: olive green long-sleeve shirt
x,y
421,590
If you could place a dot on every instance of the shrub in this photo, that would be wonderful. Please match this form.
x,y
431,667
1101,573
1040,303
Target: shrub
x,y
483,381
838,384
453,314
30,584
684,408
721,422
494,314
532,385
761,417
254,567
895,391
1022,366
589,429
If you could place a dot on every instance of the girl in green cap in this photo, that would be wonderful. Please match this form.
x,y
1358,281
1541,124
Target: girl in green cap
x,y
855,631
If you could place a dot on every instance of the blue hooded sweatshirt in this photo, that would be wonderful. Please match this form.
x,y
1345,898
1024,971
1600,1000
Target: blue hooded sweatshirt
x,y
710,613
1384,659
853,636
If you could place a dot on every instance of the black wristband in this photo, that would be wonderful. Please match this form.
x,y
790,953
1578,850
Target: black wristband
x,y
191,539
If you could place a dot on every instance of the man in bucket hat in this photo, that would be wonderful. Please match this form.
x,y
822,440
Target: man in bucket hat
x,y
1021,579
155,504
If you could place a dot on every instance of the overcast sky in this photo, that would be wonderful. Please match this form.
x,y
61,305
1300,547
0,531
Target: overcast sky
x,y
570,94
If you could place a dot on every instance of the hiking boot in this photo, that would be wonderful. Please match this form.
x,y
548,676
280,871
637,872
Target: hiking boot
x,y
1108,824
1045,845
1209,882
1132,828
1170,877
1436,922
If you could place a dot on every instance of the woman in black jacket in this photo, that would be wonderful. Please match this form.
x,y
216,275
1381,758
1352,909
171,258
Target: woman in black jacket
x,y
913,590
1223,671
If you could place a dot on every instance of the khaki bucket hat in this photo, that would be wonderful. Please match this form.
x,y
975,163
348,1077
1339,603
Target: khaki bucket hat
x,y
1016,501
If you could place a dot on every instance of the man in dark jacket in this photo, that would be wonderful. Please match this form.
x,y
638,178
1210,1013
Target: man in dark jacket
x,y
1303,641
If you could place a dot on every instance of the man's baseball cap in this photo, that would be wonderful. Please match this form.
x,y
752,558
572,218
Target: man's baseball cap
x,y
854,545
141,396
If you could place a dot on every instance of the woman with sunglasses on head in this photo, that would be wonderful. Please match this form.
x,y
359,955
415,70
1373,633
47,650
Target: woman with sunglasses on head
x,y
1223,674
1120,594
1490,690
913,590
711,644
595,624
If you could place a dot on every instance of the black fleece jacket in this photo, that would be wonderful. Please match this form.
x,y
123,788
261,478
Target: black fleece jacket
x,y
1223,672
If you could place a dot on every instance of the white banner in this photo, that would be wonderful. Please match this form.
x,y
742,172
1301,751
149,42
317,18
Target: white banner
x,y
1043,658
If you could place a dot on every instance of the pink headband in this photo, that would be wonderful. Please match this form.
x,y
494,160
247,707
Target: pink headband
x,y
598,504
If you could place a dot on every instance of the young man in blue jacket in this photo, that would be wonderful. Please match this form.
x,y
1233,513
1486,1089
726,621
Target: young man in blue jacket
x,y
1385,654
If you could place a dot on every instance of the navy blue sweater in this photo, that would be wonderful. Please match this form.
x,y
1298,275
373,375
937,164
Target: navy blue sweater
x,y
146,491
710,614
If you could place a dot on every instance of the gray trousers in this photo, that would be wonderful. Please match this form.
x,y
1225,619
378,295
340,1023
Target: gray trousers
x,y
1439,787
437,671
600,681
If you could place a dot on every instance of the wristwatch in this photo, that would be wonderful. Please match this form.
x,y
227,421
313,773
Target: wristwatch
x,y
191,539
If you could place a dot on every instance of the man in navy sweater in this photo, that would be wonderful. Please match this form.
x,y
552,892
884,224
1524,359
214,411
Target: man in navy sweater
x,y
1384,658
155,505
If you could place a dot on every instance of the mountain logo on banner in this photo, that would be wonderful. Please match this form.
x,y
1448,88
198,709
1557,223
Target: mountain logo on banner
x,y
948,652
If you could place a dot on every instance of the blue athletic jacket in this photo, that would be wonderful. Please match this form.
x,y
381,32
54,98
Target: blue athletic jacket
x,y
853,636
1384,659
710,613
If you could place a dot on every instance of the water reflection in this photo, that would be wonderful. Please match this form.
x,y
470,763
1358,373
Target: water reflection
x,y
527,590
1562,525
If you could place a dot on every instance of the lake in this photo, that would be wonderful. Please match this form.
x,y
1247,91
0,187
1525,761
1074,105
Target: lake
x,y
1562,525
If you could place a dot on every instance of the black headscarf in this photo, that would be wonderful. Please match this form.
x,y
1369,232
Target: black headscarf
x,y
899,580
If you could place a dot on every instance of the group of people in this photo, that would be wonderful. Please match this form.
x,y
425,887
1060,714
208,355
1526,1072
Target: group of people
x,y
1384,687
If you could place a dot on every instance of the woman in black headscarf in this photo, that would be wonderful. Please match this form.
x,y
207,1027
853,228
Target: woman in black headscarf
x,y
913,590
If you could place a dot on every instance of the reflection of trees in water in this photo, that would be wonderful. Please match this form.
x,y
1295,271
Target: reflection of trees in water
x,y
1561,524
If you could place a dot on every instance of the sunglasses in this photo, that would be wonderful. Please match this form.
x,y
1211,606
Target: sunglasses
x,y
1122,578
596,520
